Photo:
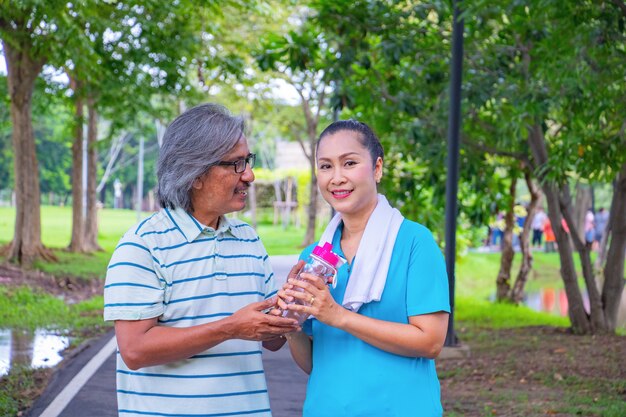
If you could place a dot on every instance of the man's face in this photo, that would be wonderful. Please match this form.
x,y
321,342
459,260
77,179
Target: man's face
x,y
221,190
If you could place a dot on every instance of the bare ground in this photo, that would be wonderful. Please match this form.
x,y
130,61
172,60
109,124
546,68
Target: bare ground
x,y
536,371
72,289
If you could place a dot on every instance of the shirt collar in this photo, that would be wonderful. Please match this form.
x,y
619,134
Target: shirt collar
x,y
191,228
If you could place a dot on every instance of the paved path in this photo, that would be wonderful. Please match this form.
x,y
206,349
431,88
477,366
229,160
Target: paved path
x,y
85,384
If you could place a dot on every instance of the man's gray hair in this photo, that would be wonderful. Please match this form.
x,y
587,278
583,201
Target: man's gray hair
x,y
193,142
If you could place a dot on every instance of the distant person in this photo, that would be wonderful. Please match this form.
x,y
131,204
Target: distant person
x,y
498,230
601,220
520,212
117,194
589,228
369,352
550,245
537,226
188,287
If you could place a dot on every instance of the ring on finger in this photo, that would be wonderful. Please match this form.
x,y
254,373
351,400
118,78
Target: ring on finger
x,y
312,300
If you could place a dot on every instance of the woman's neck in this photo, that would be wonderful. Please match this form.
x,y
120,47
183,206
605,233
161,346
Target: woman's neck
x,y
355,223
353,228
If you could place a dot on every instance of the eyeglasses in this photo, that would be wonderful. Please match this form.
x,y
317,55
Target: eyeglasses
x,y
241,163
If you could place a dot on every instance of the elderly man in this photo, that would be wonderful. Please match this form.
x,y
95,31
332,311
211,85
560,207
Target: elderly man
x,y
187,288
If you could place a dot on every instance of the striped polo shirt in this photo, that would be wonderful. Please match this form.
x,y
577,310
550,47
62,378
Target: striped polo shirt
x,y
172,267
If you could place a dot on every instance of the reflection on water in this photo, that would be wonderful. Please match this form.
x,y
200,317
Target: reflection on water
x,y
554,301
39,348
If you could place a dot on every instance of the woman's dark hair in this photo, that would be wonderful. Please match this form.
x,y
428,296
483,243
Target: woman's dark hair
x,y
365,135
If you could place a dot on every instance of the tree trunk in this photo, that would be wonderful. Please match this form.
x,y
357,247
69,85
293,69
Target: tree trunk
x,y
77,242
311,128
503,282
517,293
577,315
596,314
22,71
614,268
309,237
581,206
91,220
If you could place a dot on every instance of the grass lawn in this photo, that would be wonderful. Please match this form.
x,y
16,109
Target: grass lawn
x,y
475,272
56,233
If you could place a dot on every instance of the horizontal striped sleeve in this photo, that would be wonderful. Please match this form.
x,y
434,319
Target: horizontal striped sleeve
x,y
133,290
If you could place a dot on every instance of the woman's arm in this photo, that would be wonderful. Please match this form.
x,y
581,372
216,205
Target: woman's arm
x,y
300,346
423,336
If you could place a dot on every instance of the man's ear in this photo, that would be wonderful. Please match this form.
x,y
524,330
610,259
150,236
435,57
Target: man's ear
x,y
197,183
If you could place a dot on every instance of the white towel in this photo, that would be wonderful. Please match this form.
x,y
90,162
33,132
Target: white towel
x,y
371,264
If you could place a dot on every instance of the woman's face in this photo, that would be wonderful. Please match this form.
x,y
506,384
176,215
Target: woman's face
x,y
346,175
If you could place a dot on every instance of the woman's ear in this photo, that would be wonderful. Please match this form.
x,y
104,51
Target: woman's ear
x,y
378,169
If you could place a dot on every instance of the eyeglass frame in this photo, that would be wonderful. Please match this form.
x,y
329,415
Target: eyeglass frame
x,y
250,159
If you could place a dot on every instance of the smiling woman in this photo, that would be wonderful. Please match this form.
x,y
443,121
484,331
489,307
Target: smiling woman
x,y
380,328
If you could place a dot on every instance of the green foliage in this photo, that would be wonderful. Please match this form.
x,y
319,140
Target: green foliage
x,y
541,63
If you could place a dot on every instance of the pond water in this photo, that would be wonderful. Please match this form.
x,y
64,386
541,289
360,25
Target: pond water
x,y
38,348
554,301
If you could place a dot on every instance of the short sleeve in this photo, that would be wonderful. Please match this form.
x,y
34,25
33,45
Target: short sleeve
x,y
270,279
427,285
133,290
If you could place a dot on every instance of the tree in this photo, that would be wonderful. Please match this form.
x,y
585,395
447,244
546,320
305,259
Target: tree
x,y
534,81
298,57
544,92
117,54
22,28
137,49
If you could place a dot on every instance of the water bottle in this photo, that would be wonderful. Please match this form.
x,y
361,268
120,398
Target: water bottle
x,y
323,263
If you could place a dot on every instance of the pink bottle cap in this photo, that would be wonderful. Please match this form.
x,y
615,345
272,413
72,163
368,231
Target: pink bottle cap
x,y
326,253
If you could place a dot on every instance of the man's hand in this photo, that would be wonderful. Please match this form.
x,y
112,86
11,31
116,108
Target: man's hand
x,y
251,323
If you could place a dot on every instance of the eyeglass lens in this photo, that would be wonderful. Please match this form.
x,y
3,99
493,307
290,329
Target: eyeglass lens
x,y
240,164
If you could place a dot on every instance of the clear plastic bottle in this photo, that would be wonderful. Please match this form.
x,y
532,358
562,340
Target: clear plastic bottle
x,y
323,263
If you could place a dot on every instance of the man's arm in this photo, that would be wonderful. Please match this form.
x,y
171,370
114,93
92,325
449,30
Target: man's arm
x,y
146,343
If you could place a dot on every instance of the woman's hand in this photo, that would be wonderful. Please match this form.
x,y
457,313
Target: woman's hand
x,y
316,298
283,298
422,336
